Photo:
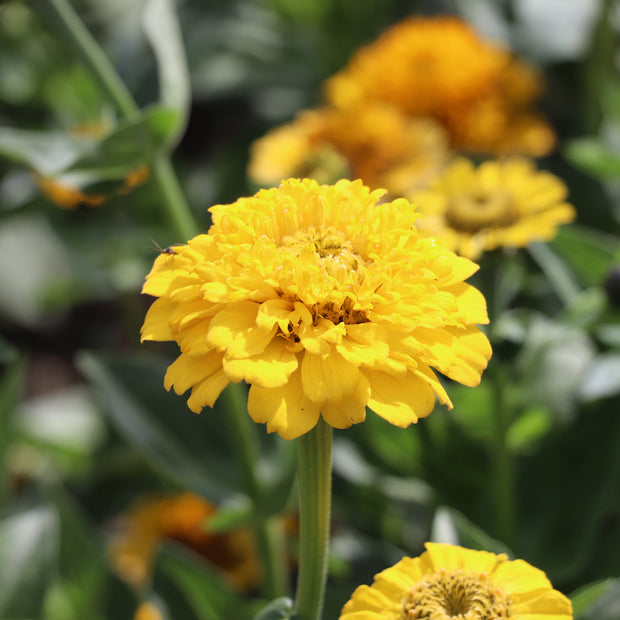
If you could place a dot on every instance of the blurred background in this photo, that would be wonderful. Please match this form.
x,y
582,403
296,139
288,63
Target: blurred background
x,y
107,480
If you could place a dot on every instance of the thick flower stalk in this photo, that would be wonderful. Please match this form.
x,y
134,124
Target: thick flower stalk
x,y
504,203
325,302
449,583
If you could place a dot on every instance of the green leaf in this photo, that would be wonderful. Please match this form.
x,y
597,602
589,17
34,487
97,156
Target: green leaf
x,y
278,484
203,590
28,557
190,449
279,609
597,601
593,157
528,428
451,526
230,517
132,142
163,32
585,596
10,389
588,252
48,152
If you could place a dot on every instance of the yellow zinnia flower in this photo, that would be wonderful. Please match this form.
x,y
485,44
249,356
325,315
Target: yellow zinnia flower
x,y
325,302
374,142
448,582
440,67
182,518
501,203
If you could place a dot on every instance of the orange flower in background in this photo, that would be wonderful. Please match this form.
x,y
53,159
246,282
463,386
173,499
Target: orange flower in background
x,y
441,68
324,301
182,518
374,142
505,203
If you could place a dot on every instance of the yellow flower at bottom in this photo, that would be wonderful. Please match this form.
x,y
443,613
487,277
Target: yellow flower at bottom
x,y
448,582
500,203
325,302
147,611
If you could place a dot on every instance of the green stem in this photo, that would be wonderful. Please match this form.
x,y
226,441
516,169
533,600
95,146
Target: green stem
x,y
178,210
87,48
268,532
92,55
315,466
504,482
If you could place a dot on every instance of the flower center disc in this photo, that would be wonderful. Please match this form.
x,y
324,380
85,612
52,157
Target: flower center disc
x,y
476,211
332,250
449,595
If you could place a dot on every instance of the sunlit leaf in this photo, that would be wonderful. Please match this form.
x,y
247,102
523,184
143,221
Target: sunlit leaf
x,y
593,157
29,550
597,601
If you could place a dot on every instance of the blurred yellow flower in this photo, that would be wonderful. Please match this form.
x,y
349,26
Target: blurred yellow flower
x,y
374,142
498,204
325,302
148,611
439,67
448,582
182,518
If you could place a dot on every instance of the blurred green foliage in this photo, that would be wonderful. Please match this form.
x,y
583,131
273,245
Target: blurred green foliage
x,y
85,424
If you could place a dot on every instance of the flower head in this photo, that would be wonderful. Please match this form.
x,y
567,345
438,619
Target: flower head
x,y
182,518
325,302
440,67
374,142
452,583
500,203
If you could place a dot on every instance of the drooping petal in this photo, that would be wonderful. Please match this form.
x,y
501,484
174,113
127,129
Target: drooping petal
x,y
286,409
401,400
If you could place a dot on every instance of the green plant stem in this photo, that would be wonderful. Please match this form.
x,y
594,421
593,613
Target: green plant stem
x,y
267,532
504,482
314,476
90,52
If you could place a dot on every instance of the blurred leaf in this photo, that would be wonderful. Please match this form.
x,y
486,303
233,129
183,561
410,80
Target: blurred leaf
x,y
551,365
46,151
529,426
204,591
593,157
162,29
452,527
585,596
231,516
279,609
588,251
29,550
598,601
11,384
131,143
8,353
602,378
572,481
188,448
279,480
559,277
82,567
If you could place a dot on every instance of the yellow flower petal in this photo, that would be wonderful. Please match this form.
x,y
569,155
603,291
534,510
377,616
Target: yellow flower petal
x,y
270,369
286,410
318,289
400,400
